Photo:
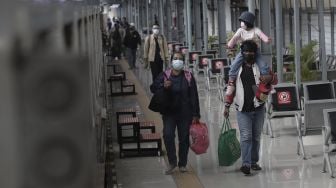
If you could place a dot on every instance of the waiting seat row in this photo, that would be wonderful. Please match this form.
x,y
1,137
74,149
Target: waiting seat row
x,y
309,108
141,132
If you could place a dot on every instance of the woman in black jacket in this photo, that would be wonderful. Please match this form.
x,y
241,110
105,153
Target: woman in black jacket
x,y
184,110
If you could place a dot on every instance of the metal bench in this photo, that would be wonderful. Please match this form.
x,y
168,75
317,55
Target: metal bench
x,y
122,86
126,111
151,137
329,127
202,63
114,70
317,97
216,72
192,58
284,102
334,84
331,62
150,125
123,124
212,52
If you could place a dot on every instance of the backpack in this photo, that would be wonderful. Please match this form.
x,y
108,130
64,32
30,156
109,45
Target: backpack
x,y
187,75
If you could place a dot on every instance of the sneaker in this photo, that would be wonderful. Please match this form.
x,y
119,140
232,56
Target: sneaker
x,y
170,169
183,169
255,167
245,169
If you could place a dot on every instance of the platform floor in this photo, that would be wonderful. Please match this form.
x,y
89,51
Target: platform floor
x,y
282,167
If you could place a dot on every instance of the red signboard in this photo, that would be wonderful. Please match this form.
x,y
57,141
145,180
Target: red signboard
x,y
284,97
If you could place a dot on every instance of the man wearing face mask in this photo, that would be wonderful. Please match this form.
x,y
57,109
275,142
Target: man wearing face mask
x,y
250,111
185,110
155,52
131,41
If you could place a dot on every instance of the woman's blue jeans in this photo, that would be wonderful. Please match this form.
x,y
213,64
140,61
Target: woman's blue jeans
x,y
170,123
250,127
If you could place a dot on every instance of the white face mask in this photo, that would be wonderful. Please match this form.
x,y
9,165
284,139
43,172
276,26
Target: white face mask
x,y
242,25
156,31
177,64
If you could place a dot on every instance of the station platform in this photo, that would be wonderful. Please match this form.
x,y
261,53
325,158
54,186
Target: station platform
x,y
281,166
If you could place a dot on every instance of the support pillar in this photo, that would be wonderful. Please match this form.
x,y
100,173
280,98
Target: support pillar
x,y
205,25
198,25
322,48
251,6
297,38
169,20
265,23
332,19
147,15
189,24
185,22
221,27
161,18
279,39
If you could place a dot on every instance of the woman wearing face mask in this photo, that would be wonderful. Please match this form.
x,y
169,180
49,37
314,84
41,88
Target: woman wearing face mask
x,y
155,52
246,32
186,110
250,110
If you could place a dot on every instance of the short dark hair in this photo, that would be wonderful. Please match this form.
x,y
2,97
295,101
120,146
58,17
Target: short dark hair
x,y
179,53
248,25
248,46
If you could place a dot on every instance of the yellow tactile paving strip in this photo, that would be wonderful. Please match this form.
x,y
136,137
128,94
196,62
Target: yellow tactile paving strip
x,y
182,180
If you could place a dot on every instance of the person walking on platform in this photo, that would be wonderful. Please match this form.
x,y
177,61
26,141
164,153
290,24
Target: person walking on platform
x,y
124,23
249,86
131,41
247,32
109,24
155,52
185,110
116,41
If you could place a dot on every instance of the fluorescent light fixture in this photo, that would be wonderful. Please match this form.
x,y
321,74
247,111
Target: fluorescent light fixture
x,y
115,5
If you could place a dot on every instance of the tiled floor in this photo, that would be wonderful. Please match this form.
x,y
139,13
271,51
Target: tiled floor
x,y
282,167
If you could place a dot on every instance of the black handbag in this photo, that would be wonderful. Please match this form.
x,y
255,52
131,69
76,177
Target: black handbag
x,y
164,101
161,101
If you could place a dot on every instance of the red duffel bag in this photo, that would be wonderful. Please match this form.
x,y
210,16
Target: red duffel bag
x,y
199,139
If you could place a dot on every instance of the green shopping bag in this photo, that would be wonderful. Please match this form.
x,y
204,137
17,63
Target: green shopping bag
x,y
228,145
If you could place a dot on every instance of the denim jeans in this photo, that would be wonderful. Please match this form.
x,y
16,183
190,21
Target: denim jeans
x,y
250,127
170,123
131,57
238,61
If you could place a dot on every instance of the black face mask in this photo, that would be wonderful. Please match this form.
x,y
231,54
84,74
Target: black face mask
x,y
250,58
